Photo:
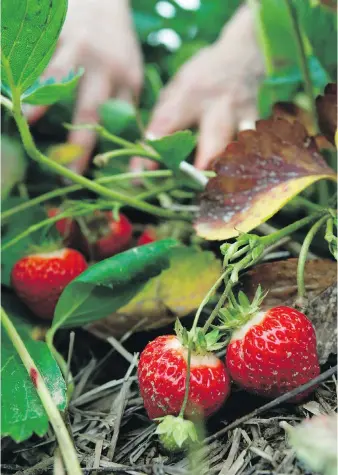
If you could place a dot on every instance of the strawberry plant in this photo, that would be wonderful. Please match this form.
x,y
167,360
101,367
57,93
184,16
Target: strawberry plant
x,y
115,252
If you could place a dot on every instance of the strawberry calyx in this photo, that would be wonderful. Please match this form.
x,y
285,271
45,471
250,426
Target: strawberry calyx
x,y
239,312
46,247
199,342
175,433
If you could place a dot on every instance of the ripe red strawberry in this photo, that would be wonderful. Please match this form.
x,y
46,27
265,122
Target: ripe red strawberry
x,y
40,278
109,236
147,237
162,374
273,352
67,227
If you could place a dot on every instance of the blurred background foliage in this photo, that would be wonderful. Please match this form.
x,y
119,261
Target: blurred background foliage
x,y
172,31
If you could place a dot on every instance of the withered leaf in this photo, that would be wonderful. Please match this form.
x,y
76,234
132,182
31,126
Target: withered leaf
x,y
256,176
279,279
327,111
176,292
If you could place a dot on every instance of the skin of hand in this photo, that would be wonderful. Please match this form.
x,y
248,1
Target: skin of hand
x,y
99,36
216,90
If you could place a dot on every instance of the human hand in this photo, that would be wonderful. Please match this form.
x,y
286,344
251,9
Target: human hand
x,y
99,36
215,90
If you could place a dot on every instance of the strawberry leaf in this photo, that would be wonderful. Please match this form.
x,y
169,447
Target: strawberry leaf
x,y
174,148
176,292
29,33
256,176
22,413
48,91
110,284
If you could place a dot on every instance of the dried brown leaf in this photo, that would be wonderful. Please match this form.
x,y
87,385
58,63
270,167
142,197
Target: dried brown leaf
x,y
327,112
257,175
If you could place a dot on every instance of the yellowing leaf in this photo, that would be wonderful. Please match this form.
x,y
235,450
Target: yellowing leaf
x,y
65,153
176,292
258,175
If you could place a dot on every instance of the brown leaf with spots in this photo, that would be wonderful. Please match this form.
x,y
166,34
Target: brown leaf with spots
x,y
327,112
256,176
279,279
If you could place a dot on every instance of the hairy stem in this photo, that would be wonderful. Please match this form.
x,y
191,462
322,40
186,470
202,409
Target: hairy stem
x,y
72,188
206,299
67,448
35,154
303,255
187,383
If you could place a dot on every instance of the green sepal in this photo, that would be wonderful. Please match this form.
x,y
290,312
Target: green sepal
x,y
240,310
175,433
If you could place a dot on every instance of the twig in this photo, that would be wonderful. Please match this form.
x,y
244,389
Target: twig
x,y
275,402
122,404
67,448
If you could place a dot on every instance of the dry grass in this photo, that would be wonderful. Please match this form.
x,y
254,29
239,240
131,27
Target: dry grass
x,y
113,435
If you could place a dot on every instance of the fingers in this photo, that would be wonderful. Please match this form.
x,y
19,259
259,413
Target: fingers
x,y
33,113
95,88
174,111
216,131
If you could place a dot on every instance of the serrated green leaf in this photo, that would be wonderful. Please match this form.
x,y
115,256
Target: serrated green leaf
x,y
29,31
22,413
110,284
13,165
174,148
176,292
48,91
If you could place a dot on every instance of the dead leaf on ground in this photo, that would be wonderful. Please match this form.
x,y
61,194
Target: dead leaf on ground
x,y
279,279
327,112
176,292
256,176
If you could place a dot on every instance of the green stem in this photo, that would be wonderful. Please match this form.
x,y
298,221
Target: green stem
x,y
72,188
239,266
37,226
247,261
307,204
303,255
6,103
187,383
102,159
35,154
291,228
67,448
206,299
303,64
